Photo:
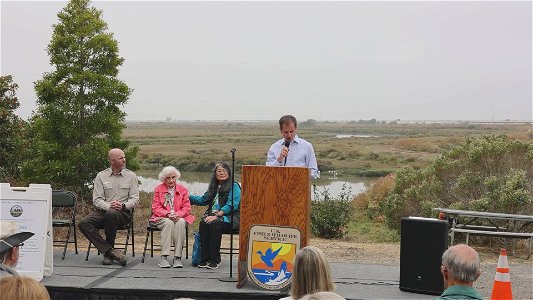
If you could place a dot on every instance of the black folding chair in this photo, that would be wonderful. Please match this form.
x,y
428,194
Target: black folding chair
x,y
230,250
64,203
129,228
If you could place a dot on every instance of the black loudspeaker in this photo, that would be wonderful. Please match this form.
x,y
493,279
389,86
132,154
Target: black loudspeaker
x,y
423,241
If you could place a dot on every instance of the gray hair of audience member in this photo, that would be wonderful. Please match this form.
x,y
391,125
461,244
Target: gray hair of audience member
x,y
288,119
166,171
311,273
462,263
323,296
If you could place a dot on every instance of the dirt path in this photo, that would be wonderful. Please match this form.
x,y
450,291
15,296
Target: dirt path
x,y
347,251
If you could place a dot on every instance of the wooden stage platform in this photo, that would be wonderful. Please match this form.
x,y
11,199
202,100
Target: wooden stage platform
x,y
75,278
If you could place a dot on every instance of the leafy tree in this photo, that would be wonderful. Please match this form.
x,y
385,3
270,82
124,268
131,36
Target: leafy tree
x,y
11,130
78,118
486,173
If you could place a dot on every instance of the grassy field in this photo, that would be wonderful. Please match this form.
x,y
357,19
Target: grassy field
x,y
194,146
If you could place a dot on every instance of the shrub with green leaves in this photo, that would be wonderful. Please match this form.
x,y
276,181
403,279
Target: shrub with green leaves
x,y
485,173
329,217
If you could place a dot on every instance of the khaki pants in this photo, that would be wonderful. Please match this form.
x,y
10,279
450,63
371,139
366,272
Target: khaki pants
x,y
174,232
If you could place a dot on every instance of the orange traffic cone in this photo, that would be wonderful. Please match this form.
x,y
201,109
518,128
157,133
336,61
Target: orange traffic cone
x,y
502,281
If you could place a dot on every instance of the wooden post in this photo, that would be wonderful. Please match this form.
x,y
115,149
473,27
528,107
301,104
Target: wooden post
x,y
273,196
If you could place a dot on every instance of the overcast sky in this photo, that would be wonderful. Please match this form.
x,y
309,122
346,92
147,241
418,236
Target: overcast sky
x,y
327,61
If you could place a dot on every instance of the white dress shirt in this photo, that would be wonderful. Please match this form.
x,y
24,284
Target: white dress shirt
x,y
301,154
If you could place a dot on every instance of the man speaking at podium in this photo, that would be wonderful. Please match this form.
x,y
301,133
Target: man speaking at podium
x,y
301,152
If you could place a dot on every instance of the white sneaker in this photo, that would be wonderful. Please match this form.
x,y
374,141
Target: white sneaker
x,y
177,263
163,263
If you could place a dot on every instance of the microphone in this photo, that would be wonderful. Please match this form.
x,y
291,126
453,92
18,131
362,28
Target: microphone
x,y
287,144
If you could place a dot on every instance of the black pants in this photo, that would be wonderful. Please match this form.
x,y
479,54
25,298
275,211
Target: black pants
x,y
210,238
110,220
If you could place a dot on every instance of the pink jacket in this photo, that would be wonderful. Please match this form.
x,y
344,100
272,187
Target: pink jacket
x,y
182,205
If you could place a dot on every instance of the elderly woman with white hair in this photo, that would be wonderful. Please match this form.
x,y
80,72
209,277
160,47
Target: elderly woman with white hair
x,y
171,208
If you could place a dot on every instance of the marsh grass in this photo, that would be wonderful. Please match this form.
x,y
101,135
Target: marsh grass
x,y
195,146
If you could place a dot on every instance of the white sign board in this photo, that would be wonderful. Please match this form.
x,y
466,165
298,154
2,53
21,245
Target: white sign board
x,y
31,208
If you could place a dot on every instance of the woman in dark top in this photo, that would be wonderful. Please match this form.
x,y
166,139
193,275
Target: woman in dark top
x,y
217,217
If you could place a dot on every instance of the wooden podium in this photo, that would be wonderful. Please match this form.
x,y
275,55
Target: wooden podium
x,y
273,196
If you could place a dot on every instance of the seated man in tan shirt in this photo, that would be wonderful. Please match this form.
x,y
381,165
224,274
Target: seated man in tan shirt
x,y
115,193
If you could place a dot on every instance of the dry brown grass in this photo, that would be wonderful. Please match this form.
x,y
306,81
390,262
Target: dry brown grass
x,y
393,147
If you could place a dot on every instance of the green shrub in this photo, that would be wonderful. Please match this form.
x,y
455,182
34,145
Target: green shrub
x,y
329,217
485,173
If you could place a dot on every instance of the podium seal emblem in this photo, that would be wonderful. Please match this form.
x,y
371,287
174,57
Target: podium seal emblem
x,y
271,252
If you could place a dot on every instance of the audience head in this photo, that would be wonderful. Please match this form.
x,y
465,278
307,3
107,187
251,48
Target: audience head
x,y
323,296
10,242
20,287
169,175
460,266
311,273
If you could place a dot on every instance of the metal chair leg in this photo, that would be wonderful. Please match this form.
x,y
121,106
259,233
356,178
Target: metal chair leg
x,y
151,243
88,251
75,237
66,242
132,239
145,244
186,241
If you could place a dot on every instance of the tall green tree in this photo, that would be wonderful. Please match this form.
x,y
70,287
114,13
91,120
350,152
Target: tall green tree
x,y
79,116
11,131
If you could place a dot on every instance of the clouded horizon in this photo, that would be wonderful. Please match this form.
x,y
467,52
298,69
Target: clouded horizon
x,y
317,60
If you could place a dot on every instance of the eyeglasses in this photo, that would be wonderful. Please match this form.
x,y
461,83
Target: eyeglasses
x,y
20,245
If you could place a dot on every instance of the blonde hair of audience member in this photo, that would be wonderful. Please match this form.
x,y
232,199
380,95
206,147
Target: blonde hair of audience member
x,y
311,273
20,287
323,296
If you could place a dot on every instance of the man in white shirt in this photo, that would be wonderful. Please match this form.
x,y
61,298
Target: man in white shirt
x,y
301,154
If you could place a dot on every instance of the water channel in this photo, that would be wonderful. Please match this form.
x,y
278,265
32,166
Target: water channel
x,y
197,182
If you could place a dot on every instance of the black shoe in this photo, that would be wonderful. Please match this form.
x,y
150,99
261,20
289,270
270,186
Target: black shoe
x,y
107,260
203,264
213,265
118,256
